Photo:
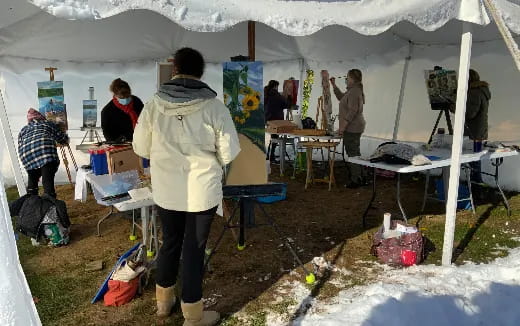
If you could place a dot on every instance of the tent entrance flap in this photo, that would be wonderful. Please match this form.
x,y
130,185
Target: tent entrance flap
x,y
11,150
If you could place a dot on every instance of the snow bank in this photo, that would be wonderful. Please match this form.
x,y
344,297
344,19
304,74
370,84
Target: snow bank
x,y
485,294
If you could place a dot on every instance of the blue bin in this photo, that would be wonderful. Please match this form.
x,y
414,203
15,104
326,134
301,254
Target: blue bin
x,y
274,199
146,163
98,161
463,193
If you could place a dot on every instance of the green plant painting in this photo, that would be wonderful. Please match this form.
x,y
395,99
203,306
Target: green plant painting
x,y
243,85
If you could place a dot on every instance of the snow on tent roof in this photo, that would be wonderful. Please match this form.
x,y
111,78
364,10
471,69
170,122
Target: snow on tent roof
x,y
125,30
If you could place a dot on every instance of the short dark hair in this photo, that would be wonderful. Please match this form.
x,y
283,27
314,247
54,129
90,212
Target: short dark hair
x,y
188,61
120,87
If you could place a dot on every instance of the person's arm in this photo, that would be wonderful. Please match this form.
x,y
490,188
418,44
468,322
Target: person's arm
x,y
142,139
59,136
226,137
106,127
339,94
138,105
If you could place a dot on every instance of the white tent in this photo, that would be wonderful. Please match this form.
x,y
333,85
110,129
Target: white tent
x,y
94,41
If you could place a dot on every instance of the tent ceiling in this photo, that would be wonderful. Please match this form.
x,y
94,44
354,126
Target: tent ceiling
x,y
27,31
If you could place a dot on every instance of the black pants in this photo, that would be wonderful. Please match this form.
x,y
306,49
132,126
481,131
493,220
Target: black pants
x,y
185,233
47,173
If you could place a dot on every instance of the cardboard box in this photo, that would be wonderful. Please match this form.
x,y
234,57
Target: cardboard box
x,y
280,126
122,159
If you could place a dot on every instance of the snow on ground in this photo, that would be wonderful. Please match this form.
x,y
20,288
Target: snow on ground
x,y
485,294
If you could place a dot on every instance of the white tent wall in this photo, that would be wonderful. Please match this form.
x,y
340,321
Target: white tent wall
x,y
21,93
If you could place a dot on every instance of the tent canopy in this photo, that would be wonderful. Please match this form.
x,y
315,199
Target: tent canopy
x,y
129,31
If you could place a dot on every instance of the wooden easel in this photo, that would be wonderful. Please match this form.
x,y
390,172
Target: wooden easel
x,y
62,147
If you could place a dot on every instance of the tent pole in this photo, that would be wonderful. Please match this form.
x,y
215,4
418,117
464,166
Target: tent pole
x,y
504,30
401,92
8,136
456,148
251,35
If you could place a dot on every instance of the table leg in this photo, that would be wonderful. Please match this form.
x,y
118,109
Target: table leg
x,y
145,217
332,156
282,155
372,198
102,219
309,167
399,197
467,171
426,184
497,164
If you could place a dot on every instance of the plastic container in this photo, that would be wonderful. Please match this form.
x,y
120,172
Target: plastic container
x,y
98,161
114,184
273,199
386,222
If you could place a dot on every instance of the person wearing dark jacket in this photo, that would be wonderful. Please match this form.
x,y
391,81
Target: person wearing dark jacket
x,y
477,105
119,116
37,151
274,104
476,122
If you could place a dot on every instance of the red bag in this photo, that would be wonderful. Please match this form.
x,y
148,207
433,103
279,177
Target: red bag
x,y
405,250
120,292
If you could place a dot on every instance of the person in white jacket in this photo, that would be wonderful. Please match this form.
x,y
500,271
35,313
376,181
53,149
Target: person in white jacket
x,y
188,135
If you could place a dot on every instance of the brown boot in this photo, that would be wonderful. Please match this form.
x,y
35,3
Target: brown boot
x,y
195,316
165,300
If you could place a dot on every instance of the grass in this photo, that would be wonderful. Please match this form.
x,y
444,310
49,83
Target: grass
x,y
62,298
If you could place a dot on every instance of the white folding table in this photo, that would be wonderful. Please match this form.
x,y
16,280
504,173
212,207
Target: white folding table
x,y
443,162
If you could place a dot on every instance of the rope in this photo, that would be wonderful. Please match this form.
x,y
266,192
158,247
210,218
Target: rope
x,y
504,30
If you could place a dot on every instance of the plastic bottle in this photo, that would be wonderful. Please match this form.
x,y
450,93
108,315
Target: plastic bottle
x,y
386,222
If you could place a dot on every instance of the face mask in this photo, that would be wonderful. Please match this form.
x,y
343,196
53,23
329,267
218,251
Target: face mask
x,y
124,101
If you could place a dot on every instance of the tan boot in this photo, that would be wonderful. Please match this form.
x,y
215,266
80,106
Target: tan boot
x,y
195,316
165,300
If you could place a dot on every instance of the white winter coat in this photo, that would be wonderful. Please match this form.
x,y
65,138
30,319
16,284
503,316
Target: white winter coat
x,y
188,144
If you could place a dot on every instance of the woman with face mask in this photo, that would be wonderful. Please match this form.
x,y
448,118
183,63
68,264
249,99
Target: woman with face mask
x,y
119,116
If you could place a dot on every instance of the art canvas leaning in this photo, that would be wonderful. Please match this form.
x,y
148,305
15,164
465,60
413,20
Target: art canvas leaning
x,y
51,102
243,95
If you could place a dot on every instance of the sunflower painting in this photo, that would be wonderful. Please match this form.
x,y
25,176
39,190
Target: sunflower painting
x,y
243,85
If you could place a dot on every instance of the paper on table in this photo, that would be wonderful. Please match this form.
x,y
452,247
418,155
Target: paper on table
x,y
140,193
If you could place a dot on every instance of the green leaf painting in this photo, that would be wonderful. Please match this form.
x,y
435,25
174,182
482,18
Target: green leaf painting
x,y
243,95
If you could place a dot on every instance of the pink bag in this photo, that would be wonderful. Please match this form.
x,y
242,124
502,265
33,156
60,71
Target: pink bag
x,y
405,250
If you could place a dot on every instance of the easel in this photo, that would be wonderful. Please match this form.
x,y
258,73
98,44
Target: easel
x,y
247,201
60,146
446,113
320,108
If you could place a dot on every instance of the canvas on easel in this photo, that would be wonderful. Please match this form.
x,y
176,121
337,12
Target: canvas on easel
x,y
89,113
243,88
51,102
442,87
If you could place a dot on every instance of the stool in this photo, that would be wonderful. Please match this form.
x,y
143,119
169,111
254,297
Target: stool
x,y
331,147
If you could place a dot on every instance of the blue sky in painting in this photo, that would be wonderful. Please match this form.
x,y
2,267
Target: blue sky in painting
x,y
254,74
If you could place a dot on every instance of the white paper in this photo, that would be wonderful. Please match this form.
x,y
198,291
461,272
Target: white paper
x,y
140,193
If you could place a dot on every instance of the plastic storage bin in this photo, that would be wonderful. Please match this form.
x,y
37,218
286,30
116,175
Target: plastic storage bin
x,y
273,199
98,161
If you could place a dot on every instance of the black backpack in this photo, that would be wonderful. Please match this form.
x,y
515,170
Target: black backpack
x,y
308,123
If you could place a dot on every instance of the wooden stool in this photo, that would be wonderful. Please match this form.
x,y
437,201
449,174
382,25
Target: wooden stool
x,y
309,146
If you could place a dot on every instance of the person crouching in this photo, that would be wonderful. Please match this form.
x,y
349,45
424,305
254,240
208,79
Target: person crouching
x,y
37,150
